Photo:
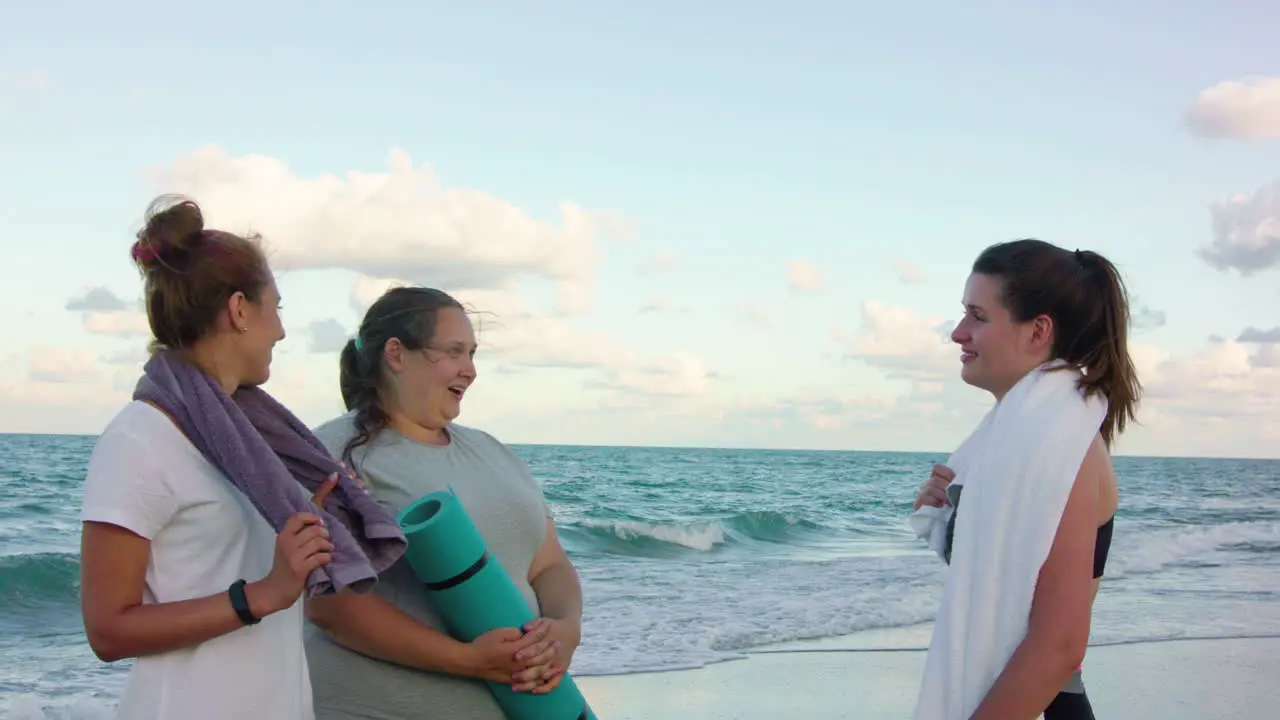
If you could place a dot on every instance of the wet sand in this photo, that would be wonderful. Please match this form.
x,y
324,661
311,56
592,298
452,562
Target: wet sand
x,y
848,678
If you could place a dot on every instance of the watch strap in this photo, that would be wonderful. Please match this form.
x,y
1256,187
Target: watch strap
x,y
240,603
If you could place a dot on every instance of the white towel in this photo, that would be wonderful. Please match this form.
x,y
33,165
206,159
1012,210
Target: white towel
x,y
1017,469
930,523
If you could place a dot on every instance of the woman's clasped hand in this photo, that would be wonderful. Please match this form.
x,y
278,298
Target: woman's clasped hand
x,y
530,660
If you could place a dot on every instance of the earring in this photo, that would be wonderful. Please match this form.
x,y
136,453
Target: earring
x,y
243,329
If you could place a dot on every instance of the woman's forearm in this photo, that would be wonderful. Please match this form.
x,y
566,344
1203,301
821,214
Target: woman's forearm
x,y
150,629
372,626
119,624
1034,675
559,592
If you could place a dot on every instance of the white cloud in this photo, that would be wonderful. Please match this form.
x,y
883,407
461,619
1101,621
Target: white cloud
x,y
326,336
1257,335
133,357
656,305
1247,109
804,277
911,350
31,81
61,365
96,299
1267,356
1145,317
102,312
309,390
366,291
125,323
1224,381
909,273
402,226
821,410
399,223
44,407
589,385
1222,400
664,262
860,414
907,343
1246,231
676,375
518,336
756,316
513,330
1229,385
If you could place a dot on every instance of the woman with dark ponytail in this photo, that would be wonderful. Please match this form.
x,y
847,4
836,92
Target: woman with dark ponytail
x,y
1030,306
387,654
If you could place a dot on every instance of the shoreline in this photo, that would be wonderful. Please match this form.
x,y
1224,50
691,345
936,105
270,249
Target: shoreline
x,y
1167,679
874,675
850,644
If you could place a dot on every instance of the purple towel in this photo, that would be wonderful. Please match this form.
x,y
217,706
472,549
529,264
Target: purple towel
x,y
278,463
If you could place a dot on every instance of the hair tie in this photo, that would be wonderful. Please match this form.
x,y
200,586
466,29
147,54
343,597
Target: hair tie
x,y
359,344
142,253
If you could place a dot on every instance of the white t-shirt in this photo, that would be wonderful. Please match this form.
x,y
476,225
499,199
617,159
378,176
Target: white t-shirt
x,y
145,476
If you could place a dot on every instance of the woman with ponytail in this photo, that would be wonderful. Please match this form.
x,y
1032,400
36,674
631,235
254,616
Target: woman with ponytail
x,y
1029,307
387,654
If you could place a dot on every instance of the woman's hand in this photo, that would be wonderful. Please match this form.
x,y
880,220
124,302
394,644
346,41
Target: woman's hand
x,y
493,655
302,546
934,491
359,481
543,664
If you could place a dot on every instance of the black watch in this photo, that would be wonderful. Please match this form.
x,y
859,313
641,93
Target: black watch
x,y
240,603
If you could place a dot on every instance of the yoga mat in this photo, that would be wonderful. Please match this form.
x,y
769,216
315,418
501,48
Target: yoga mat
x,y
474,595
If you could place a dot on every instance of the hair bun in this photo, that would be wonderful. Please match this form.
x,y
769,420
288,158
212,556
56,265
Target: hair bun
x,y
174,229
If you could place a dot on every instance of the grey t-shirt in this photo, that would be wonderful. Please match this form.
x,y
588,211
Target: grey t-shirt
x,y
507,506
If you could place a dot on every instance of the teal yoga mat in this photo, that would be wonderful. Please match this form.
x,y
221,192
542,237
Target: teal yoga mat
x,y
474,595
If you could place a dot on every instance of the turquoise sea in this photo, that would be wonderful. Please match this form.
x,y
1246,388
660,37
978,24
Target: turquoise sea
x,y
695,556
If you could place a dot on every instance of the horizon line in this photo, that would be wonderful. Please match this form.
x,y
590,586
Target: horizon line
x,y
742,448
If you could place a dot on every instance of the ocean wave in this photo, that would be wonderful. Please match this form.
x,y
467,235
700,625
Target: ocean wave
x,y
708,633
1153,551
38,579
43,707
642,537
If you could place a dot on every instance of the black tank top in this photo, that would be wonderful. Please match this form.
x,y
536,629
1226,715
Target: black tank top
x,y
1101,547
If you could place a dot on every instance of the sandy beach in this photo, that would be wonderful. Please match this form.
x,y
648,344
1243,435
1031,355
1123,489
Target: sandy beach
x,y
1235,679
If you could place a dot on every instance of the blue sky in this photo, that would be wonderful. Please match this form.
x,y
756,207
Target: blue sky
x,y
730,139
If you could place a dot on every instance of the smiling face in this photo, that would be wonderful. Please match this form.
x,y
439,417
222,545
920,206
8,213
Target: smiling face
x,y
262,329
996,351
427,385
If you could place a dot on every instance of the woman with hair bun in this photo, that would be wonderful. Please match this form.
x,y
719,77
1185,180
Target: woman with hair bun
x,y
179,569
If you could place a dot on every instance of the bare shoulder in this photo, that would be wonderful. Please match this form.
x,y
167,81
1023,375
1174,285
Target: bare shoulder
x,y
1097,464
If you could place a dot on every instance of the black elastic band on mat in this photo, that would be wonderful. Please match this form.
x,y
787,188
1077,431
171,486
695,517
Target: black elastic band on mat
x,y
461,577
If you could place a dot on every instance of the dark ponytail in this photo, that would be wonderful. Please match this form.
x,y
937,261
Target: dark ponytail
x,y
1104,352
405,313
359,393
1085,296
